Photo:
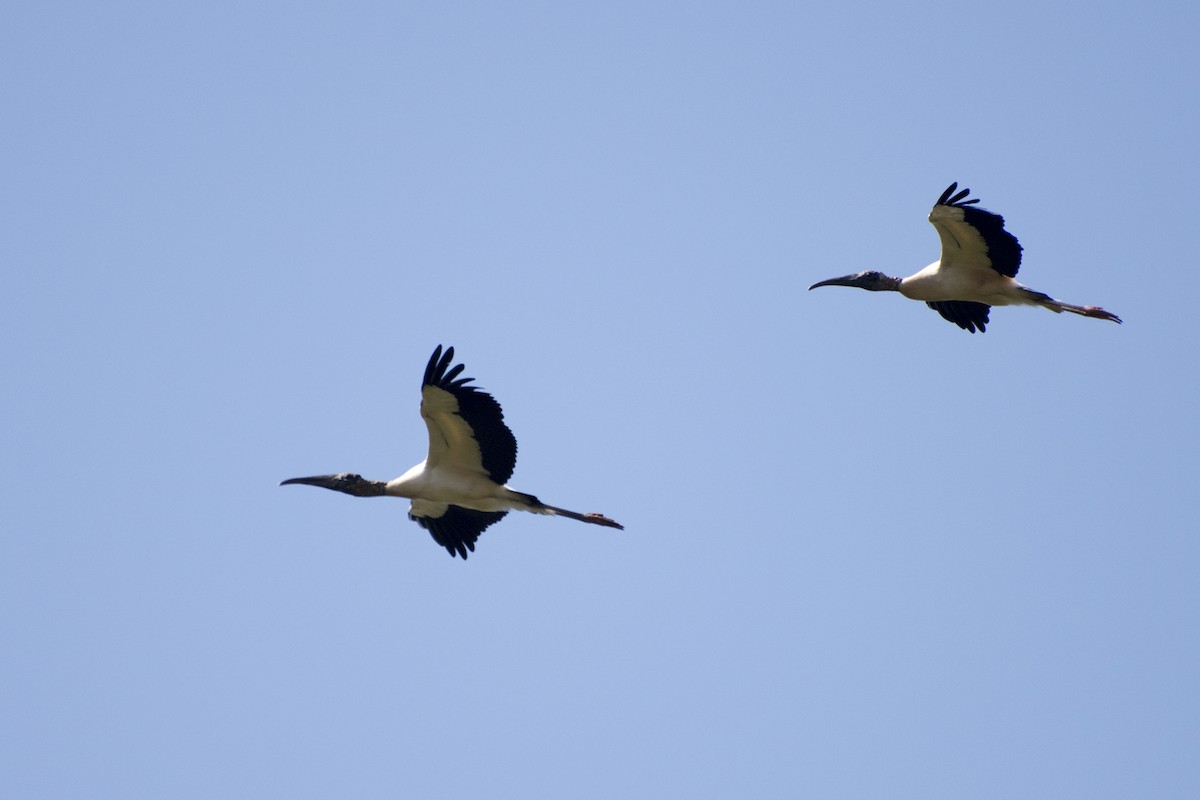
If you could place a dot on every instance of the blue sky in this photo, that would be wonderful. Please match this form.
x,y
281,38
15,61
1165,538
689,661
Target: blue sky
x,y
866,553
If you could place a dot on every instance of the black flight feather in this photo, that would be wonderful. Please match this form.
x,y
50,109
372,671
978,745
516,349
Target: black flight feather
x,y
963,313
458,529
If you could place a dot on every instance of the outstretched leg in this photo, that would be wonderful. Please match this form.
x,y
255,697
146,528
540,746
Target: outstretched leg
x,y
595,519
1090,311
1058,306
530,503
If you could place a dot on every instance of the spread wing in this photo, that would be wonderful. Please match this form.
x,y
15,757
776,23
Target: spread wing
x,y
973,237
466,425
453,527
963,313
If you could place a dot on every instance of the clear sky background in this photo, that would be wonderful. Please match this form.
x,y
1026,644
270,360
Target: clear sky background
x,y
866,555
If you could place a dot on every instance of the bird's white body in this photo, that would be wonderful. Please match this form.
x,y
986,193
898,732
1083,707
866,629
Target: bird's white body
x,y
934,284
430,490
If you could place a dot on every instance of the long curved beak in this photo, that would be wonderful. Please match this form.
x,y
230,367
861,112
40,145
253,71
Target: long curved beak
x,y
324,481
845,280
347,482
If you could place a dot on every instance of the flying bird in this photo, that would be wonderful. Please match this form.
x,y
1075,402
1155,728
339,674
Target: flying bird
x,y
459,489
977,270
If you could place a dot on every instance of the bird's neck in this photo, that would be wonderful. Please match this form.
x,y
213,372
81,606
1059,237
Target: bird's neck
x,y
366,488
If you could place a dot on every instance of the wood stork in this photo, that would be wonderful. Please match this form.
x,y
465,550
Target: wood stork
x,y
458,490
977,269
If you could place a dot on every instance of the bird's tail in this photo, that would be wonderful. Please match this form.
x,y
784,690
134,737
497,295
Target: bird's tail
x,y
1058,306
538,507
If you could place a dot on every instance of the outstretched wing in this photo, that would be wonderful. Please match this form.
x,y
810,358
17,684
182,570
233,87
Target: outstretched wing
x,y
973,237
963,313
466,425
453,527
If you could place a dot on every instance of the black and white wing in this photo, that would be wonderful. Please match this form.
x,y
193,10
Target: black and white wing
x,y
466,425
973,237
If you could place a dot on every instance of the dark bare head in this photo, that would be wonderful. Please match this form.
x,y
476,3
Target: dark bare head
x,y
871,280
346,482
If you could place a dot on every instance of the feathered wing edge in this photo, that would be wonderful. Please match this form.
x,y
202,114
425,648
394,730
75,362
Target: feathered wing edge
x,y
963,313
458,528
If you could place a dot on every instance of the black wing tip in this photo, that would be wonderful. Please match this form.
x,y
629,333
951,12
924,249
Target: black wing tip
x,y
460,550
949,198
432,367
965,314
458,528
438,371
